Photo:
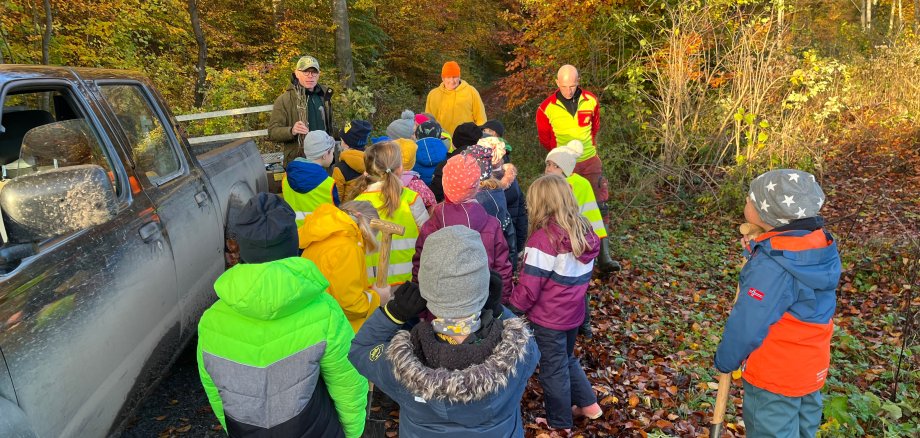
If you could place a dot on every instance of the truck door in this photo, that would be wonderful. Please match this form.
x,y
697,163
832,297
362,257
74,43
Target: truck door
x,y
178,189
80,318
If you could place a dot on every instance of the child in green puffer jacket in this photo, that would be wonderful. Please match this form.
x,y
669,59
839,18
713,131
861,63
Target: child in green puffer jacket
x,y
273,349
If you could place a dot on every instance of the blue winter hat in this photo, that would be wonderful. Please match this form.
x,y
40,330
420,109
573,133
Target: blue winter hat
x,y
356,133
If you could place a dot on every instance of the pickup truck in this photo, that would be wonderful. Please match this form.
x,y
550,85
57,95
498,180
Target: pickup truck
x,y
113,232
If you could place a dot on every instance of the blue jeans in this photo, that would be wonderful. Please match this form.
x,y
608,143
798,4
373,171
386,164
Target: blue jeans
x,y
767,414
564,381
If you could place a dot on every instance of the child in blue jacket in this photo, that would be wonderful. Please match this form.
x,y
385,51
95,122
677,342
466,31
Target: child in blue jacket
x,y
780,327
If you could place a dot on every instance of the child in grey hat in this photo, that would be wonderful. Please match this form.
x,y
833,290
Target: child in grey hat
x,y
307,184
780,326
465,371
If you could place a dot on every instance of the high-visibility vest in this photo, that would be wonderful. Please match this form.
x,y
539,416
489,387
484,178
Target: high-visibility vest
x,y
402,248
304,203
587,203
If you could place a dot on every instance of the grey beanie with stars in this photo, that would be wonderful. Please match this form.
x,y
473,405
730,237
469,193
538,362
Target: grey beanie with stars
x,y
784,195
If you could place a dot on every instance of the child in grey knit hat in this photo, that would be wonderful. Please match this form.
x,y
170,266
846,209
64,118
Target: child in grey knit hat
x,y
403,127
781,324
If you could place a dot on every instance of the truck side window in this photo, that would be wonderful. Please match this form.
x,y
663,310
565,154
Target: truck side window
x,y
46,130
149,141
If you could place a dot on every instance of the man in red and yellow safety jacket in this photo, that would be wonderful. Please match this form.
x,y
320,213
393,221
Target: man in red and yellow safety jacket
x,y
572,113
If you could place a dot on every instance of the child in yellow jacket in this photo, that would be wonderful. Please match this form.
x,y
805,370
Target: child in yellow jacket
x,y
336,240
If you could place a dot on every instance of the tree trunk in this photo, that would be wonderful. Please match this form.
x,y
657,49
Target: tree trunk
x,y
46,37
916,16
891,19
780,12
277,12
202,53
869,14
343,43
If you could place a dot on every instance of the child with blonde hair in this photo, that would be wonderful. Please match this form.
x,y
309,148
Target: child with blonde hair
x,y
382,187
337,241
558,261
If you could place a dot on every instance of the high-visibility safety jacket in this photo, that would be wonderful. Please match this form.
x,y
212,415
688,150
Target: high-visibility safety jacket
x,y
587,203
305,203
402,248
557,126
273,354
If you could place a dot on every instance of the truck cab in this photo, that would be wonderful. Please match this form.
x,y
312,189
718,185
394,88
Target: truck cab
x,y
113,234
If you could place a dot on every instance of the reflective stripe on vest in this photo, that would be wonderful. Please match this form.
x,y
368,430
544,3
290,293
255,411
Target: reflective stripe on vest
x,y
567,127
587,203
402,248
304,203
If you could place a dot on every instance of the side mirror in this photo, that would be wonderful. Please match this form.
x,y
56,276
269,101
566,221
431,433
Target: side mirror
x,y
56,202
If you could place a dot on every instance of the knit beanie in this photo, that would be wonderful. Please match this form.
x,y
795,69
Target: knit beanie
x,y
466,134
408,148
496,126
784,195
497,146
265,229
566,156
403,127
356,133
483,156
458,288
316,143
450,70
460,179
421,118
428,129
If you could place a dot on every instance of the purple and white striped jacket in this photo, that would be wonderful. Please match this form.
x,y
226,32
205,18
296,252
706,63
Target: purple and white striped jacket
x,y
552,285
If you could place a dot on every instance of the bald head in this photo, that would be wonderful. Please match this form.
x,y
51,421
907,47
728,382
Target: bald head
x,y
567,80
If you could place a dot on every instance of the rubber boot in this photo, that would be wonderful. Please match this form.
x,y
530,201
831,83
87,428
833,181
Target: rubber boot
x,y
605,264
585,328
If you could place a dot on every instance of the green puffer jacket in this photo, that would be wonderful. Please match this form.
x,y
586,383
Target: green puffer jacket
x,y
273,354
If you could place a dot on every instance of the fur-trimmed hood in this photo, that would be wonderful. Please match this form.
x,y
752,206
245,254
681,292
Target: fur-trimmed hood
x,y
471,384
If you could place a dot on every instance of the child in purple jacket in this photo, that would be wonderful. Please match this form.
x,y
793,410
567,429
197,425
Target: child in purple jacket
x,y
461,182
558,261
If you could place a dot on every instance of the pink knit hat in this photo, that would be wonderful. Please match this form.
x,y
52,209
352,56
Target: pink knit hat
x,y
461,178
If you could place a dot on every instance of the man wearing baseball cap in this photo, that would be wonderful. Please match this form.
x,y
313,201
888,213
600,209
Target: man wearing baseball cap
x,y
305,106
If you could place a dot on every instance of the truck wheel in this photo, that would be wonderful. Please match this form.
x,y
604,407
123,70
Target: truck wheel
x,y
231,252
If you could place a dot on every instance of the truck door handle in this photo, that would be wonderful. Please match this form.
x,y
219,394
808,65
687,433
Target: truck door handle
x,y
149,231
201,198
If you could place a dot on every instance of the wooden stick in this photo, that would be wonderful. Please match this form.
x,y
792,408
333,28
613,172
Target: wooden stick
x,y
387,230
749,231
718,415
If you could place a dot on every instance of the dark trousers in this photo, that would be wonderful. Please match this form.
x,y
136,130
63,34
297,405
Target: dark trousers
x,y
564,381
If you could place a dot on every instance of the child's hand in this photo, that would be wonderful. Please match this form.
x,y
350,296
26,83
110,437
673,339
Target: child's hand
x,y
383,292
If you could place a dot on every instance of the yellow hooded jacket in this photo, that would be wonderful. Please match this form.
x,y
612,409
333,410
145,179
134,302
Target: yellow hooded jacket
x,y
333,241
453,107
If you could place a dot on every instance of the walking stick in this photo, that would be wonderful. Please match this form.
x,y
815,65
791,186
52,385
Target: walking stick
x,y
749,231
375,427
387,230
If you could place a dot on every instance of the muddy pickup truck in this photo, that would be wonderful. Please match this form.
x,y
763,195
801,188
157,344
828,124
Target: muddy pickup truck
x,y
113,233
